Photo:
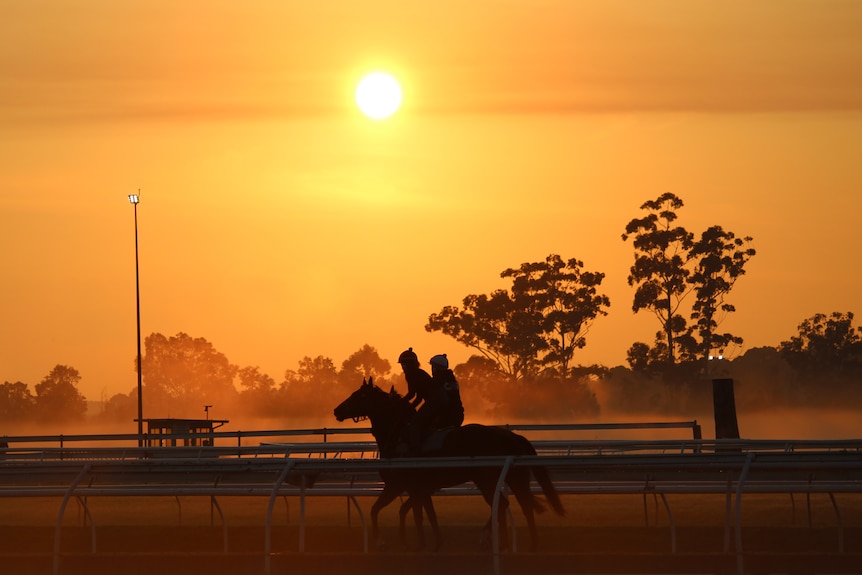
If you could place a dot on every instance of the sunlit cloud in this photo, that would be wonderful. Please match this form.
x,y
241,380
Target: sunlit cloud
x,y
553,58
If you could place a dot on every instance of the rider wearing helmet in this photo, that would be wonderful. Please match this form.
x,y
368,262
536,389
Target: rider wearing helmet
x,y
440,372
419,383
421,389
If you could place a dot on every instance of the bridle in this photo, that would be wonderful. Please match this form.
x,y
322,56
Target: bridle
x,y
370,397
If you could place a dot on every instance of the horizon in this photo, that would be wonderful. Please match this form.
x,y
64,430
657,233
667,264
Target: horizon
x,y
278,222
798,423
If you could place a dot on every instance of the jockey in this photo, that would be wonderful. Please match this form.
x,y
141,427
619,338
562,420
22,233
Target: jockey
x,y
440,372
421,389
419,384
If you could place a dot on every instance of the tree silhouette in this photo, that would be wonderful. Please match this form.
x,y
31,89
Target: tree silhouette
x,y
719,260
825,344
58,398
480,379
258,393
494,326
312,388
182,373
364,363
253,380
121,407
766,380
537,324
659,272
16,402
670,265
564,299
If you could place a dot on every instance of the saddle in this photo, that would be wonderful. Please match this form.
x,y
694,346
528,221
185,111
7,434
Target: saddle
x,y
434,441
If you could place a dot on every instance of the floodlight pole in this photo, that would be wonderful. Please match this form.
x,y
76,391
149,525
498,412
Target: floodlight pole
x,y
134,199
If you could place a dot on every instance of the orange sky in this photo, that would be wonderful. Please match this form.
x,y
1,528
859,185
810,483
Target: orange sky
x,y
277,222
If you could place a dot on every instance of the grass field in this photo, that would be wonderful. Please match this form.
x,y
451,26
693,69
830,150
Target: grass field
x,y
600,534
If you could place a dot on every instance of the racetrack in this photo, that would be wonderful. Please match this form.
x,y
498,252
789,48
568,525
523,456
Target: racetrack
x,y
600,534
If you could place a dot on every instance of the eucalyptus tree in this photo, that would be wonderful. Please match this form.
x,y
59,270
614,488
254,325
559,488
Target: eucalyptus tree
x,y
258,393
537,324
660,273
492,325
719,259
670,266
564,299
313,386
825,344
364,363
57,396
16,402
182,373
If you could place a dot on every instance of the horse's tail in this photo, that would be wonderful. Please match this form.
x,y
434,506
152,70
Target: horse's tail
x,y
543,478
550,492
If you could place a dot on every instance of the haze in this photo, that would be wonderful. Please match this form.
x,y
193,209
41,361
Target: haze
x,y
278,222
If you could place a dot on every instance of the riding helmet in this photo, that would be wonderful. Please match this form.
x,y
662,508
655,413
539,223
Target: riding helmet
x,y
408,357
440,361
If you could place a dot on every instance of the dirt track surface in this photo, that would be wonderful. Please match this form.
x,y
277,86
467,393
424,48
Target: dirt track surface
x,y
614,535
605,550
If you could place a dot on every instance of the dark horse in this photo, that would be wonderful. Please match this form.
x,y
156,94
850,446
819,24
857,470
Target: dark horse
x,y
389,412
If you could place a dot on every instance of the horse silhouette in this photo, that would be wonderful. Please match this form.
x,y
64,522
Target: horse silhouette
x,y
389,413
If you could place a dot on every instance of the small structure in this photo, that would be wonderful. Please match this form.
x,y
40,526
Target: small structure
x,y
189,432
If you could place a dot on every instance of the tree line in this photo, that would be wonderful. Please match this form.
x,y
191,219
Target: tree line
x,y
819,366
536,326
525,340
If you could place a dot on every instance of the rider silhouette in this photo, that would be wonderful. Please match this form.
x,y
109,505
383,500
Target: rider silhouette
x,y
453,414
421,389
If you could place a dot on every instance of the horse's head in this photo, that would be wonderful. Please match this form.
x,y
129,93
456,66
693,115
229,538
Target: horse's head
x,y
362,403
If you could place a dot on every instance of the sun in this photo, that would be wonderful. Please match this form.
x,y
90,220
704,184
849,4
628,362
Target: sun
x,y
378,95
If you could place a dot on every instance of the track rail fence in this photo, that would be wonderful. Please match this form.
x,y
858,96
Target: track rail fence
x,y
324,468
325,434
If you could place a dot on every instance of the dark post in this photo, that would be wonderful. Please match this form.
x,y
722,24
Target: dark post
x,y
724,409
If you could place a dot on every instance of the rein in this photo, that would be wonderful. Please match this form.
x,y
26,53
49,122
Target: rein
x,y
389,412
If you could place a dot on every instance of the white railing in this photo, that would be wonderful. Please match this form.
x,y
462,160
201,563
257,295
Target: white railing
x,y
306,469
322,433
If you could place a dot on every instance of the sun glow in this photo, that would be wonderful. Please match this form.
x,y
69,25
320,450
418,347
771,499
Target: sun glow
x,y
378,95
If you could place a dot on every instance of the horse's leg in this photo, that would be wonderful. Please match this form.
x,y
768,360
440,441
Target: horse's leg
x,y
415,503
488,496
432,519
402,519
519,483
502,526
502,522
385,498
418,503
488,489
485,535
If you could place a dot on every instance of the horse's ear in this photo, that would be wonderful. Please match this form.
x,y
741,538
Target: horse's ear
x,y
392,390
370,381
363,382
